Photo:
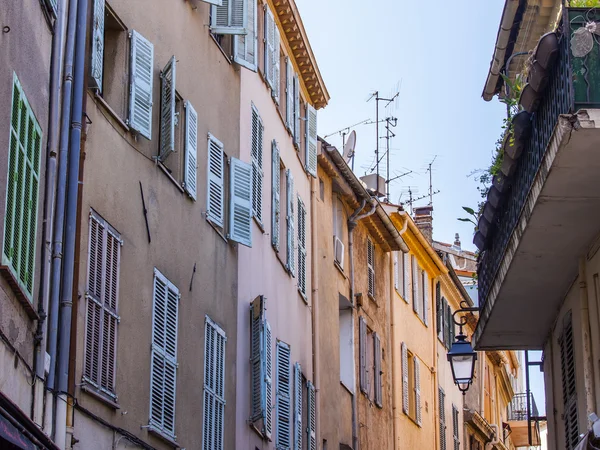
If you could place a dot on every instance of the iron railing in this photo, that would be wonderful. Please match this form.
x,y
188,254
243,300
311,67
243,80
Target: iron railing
x,y
517,408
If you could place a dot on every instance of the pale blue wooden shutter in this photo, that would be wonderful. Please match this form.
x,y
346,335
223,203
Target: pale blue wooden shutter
x,y
230,18
425,298
289,94
268,382
377,375
214,386
311,141
405,400
257,363
296,115
245,51
362,343
276,65
97,62
276,200
190,169
256,153
415,284
405,284
417,374
396,271
283,440
290,221
240,212
298,406
269,46
215,190
167,110
311,430
54,6
302,248
140,95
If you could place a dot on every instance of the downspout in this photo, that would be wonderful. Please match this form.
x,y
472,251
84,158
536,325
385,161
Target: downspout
x,y
588,365
395,430
66,303
314,273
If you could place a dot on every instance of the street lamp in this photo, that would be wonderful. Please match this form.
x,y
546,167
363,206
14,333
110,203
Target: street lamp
x,y
461,356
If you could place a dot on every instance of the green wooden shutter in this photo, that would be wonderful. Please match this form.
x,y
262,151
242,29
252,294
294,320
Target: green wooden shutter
x,y
569,383
405,398
442,418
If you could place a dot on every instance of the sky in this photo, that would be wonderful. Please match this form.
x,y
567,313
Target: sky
x,y
438,53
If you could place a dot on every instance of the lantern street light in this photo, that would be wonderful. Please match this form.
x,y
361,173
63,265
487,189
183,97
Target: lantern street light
x,y
461,356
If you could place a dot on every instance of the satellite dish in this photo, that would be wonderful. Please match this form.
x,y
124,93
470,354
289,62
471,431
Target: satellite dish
x,y
349,146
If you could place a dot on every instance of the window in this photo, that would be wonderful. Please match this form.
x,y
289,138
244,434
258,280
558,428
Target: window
x,y
411,385
346,344
442,417
214,386
284,396
257,164
302,249
20,220
371,267
455,428
569,382
102,303
163,373
290,222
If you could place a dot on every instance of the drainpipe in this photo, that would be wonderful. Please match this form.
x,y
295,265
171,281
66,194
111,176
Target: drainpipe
x,y
395,430
588,366
66,303
314,273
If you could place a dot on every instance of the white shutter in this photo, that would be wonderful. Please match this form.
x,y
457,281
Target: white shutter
x,y
213,2
289,97
167,110
311,430
230,18
415,284
97,64
377,374
311,141
276,64
296,125
276,201
245,47
396,271
405,400
284,397
268,419
406,286
425,298
257,363
301,248
215,191
214,386
298,406
140,95
269,45
191,150
290,221
371,267
362,342
257,163
54,5
417,374
240,212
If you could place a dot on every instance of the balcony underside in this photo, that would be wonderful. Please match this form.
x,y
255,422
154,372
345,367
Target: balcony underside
x,y
520,436
559,220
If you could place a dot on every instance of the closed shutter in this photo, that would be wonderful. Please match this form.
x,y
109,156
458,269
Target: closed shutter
x,y
20,219
268,421
311,141
415,284
569,383
311,430
455,428
164,355
289,94
297,114
214,386
362,342
245,47
405,284
257,363
269,46
396,271
442,414
298,388
102,306
275,192
439,311
215,189
140,95
97,62
377,374
425,297
290,222
445,309
283,440
301,248
276,65
230,18
450,328
371,267
257,163
167,110
240,209
191,151
405,396
417,375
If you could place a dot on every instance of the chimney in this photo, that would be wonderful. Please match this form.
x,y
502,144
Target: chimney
x,y
423,220
457,242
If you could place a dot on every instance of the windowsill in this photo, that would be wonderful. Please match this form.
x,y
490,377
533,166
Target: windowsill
x,y
303,296
218,229
219,45
420,318
339,268
19,293
100,100
98,395
350,391
259,223
171,177
412,420
372,298
257,431
159,434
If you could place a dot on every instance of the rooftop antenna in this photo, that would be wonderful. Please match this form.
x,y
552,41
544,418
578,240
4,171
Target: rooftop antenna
x,y
431,193
390,122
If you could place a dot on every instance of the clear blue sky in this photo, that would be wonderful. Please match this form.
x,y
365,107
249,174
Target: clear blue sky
x,y
440,51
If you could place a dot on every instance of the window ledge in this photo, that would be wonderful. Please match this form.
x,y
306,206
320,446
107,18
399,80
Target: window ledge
x,y
100,100
219,45
339,268
259,223
257,431
303,296
168,174
350,391
21,296
372,298
217,229
98,395
159,434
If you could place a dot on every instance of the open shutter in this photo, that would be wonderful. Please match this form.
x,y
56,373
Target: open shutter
x,y
298,407
439,311
290,222
415,284
445,308
215,191
301,248
425,297
284,398
268,382
276,65
371,267
213,2
377,375
296,125
406,286
442,413
289,94
257,163
140,96
269,46
97,63
167,110
257,363
405,400
276,202
396,271
311,141
230,18
455,427
362,342
311,430
417,374
245,47
191,150
240,210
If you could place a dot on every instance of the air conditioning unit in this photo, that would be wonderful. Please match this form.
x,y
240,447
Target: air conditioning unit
x,y
338,248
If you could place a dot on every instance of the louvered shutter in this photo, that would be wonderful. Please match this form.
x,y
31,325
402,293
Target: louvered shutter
x,y
298,407
284,398
405,285
396,271
415,284
97,63
54,6
405,399
257,164
442,414
140,95
230,18
257,355
569,383
417,375
275,192
268,421
289,97
240,211
215,189
214,386
191,150
371,267
276,65
290,222
455,428
311,141
311,430
301,247
213,2
439,311
296,125
245,47
446,312
269,46
450,327
164,355
362,342
425,298
377,375
167,110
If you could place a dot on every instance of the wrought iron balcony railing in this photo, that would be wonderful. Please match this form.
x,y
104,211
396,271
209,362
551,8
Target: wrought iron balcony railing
x,y
517,408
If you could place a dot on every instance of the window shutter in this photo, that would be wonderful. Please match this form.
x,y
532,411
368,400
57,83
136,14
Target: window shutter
x,y
215,190
164,355
97,63
450,327
447,318
257,163
140,98
276,65
268,382
297,407
240,211
54,6
257,355
276,202
362,341
167,110
311,141
425,298
417,374
415,284
405,399
230,18
296,85
214,386
284,397
245,47
290,222
371,267
289,97
455,428
569,383
312,417
269,46
191,150
442,413
301,248
396,271
377,375
213,2
405,286
439,311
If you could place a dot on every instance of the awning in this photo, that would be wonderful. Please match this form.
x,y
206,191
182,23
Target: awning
x,y
10,433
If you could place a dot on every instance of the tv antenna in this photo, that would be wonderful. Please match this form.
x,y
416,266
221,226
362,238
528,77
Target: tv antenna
x,y
431,192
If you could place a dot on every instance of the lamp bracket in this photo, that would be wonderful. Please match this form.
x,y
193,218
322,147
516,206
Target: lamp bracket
x,y
462,320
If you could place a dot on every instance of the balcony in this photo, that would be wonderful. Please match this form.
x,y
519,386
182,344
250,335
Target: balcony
x,y
518,421
547,212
